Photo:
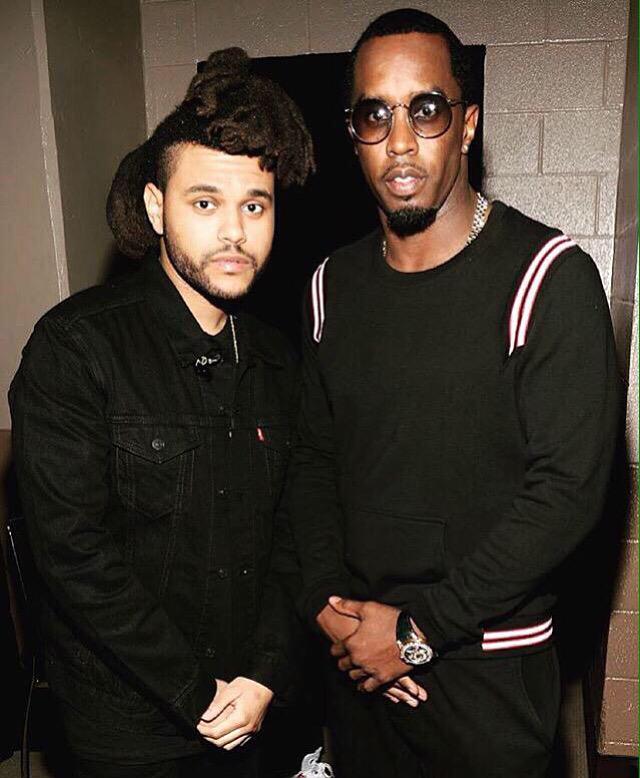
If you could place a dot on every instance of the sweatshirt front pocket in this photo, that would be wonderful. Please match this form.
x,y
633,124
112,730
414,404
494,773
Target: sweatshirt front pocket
x,y
389,552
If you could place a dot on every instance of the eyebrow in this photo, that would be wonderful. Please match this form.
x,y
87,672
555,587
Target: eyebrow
x,y
426,89
210,189
260,193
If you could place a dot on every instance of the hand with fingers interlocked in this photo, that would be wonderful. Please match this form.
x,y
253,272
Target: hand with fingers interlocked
x,y
342,621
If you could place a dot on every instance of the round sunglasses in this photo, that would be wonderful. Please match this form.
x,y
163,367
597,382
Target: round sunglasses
x,y
370,120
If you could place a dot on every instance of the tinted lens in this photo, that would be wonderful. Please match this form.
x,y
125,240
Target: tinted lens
x,y
371,120
430,114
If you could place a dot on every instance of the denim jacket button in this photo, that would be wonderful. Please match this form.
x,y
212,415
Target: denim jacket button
x,y
157,444
222,573
209,651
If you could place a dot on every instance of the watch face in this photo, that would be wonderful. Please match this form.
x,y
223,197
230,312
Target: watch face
x,y
416,653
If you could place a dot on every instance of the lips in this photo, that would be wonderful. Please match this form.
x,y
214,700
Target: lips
x,y
232,263
404,181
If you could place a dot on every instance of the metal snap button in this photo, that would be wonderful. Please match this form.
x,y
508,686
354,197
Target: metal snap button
x,y
157,444
221,492
222,573
209,651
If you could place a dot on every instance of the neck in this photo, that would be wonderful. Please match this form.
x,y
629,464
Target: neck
x,y
440,241
210,318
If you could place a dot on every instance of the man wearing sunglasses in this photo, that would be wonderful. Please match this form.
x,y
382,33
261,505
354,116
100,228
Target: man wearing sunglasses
x,y
457,428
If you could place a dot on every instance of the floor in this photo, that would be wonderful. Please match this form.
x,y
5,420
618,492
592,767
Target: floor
x,y
609,768
11,768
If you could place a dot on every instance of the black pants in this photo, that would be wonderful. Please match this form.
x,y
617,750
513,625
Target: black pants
x,y
485,718
240,765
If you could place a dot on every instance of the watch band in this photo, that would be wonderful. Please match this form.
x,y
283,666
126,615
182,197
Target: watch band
x,y
414,650
404,628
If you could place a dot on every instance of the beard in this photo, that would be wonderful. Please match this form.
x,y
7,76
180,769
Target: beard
x,y
410,220
193,271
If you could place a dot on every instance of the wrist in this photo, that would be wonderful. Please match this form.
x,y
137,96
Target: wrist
x,y
412,643
263,690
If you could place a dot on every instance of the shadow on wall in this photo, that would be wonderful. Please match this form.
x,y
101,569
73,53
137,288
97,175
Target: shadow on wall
x,y
335,208
586,583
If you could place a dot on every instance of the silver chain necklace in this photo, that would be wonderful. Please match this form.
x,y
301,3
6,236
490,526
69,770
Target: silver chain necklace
x,y
235,340
479,220
479,217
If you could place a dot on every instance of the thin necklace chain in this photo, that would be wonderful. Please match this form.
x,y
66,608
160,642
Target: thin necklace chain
x,y
479,220
235,340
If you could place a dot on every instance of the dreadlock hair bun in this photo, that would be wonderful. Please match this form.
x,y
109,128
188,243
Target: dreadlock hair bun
x,y
222,70
229,108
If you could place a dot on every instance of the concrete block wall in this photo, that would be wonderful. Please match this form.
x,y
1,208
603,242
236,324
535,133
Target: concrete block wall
x,y
618,731
554,86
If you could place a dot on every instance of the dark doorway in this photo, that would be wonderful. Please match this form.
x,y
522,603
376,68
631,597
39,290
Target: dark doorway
x,y
335,207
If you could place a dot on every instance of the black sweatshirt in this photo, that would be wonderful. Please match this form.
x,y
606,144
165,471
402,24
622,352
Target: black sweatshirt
x,y
446,462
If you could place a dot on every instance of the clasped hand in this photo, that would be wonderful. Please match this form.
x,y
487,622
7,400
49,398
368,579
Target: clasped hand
x,y
236,713
363,637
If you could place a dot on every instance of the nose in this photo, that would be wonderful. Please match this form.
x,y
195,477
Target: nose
x,y
231,230
402,140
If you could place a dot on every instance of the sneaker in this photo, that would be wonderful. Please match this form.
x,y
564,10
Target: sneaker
x,y
312,768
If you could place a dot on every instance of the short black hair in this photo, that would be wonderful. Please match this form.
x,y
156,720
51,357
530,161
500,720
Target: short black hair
x,y
406,20
227,107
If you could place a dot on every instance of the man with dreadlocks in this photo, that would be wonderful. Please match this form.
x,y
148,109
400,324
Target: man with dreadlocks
x,y
151,423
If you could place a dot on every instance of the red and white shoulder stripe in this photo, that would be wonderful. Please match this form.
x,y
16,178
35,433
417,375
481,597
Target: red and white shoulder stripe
x,y
527,292
317,301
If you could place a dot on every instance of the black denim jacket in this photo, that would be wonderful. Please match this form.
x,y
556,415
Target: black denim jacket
x,y
150,496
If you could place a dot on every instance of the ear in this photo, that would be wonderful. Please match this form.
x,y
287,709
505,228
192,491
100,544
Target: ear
x,y
154,203
470,123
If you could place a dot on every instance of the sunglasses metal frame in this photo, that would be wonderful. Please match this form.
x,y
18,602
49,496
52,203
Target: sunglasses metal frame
x,y
349,117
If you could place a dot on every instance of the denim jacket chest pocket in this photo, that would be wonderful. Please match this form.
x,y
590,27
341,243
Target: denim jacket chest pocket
x,y
153,467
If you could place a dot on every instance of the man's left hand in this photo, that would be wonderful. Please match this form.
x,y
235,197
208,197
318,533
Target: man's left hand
x,y
236,713
370,655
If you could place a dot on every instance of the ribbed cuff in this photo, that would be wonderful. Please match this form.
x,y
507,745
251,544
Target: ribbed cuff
x,y
274,672
315,599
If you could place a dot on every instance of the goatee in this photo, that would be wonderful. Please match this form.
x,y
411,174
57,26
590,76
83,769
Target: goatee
x,y
410,220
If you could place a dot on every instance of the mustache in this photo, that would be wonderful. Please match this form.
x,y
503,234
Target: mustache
x,y
231,250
